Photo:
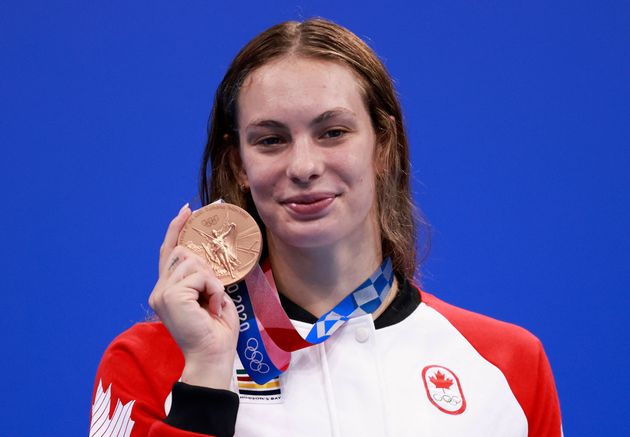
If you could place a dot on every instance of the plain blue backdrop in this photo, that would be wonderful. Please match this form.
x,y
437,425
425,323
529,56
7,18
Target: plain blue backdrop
x,y
518,115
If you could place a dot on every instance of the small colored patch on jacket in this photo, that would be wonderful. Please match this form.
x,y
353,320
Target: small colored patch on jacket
x,y
248,390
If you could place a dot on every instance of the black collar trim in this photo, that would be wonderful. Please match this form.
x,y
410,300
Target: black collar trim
x,y
406,301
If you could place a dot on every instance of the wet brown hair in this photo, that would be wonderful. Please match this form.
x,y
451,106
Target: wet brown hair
x,y
323,40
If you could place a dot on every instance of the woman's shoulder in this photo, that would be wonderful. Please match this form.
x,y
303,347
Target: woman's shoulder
x,y
488,335
134,379
142,362
144,343
516,352
149,329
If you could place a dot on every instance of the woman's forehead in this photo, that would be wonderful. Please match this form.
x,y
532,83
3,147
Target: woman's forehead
x,y
298,84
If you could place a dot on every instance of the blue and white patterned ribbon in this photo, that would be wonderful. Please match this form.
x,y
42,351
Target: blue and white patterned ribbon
x,y
261,355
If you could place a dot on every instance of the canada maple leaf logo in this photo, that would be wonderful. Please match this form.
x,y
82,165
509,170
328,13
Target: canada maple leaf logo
x,y
444,390
440,380
120,423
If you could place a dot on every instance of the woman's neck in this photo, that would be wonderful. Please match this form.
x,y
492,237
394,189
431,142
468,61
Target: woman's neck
x,y
317,279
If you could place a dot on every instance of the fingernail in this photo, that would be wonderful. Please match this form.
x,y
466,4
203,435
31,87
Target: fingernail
x,y
183,208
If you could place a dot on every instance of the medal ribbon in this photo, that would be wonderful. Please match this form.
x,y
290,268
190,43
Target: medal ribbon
x,y
267,337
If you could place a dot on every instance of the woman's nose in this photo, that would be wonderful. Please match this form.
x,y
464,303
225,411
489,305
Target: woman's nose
x,y
305,161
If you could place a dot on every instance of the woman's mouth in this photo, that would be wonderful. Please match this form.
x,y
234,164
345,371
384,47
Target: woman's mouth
x,y
309,205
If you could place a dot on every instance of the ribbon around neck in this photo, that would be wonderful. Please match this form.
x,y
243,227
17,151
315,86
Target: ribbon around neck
x,y
267,337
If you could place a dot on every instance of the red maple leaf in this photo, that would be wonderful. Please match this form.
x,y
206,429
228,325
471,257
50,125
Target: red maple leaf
x,y
440,381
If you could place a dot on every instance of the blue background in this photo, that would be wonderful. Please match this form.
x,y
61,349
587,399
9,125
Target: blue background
x,y
518,115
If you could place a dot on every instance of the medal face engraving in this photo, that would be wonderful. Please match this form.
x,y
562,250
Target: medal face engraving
x,y
226,237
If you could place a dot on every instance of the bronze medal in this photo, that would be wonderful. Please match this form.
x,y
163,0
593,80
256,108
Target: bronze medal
x,y
227,237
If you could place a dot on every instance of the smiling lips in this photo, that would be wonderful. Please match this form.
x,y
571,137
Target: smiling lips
x,y
309,204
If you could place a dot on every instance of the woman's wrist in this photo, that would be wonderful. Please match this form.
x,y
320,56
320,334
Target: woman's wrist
x,y
215,374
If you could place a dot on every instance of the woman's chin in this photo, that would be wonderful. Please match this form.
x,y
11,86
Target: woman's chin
x,y
307,235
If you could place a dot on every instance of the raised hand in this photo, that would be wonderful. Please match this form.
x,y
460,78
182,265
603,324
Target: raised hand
x,y
192,304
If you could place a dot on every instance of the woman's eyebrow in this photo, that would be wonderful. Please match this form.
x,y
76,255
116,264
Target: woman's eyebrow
x,y
327,115
266,123
324,116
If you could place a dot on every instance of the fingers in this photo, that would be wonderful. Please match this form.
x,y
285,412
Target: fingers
x,y
181,263
172,233
179,256
189,289
182,266
204,283
218,302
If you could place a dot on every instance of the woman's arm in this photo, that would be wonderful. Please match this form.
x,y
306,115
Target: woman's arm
x,y
195,344
136,392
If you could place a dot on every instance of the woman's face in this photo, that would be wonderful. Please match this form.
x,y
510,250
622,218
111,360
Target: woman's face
x,y
307,150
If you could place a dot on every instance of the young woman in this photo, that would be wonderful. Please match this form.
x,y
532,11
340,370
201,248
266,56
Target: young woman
x,y
307,136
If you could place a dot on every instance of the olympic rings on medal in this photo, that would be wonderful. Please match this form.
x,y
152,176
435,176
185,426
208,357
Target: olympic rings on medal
x,y
255,357
446,398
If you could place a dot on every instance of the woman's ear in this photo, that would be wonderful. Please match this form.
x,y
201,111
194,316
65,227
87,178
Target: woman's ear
x,y
236,165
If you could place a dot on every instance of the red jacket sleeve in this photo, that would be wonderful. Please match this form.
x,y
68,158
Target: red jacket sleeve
x,y
133,381
520,357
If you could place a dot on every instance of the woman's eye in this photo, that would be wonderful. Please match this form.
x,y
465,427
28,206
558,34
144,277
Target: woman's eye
x,y
334,133
269,141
